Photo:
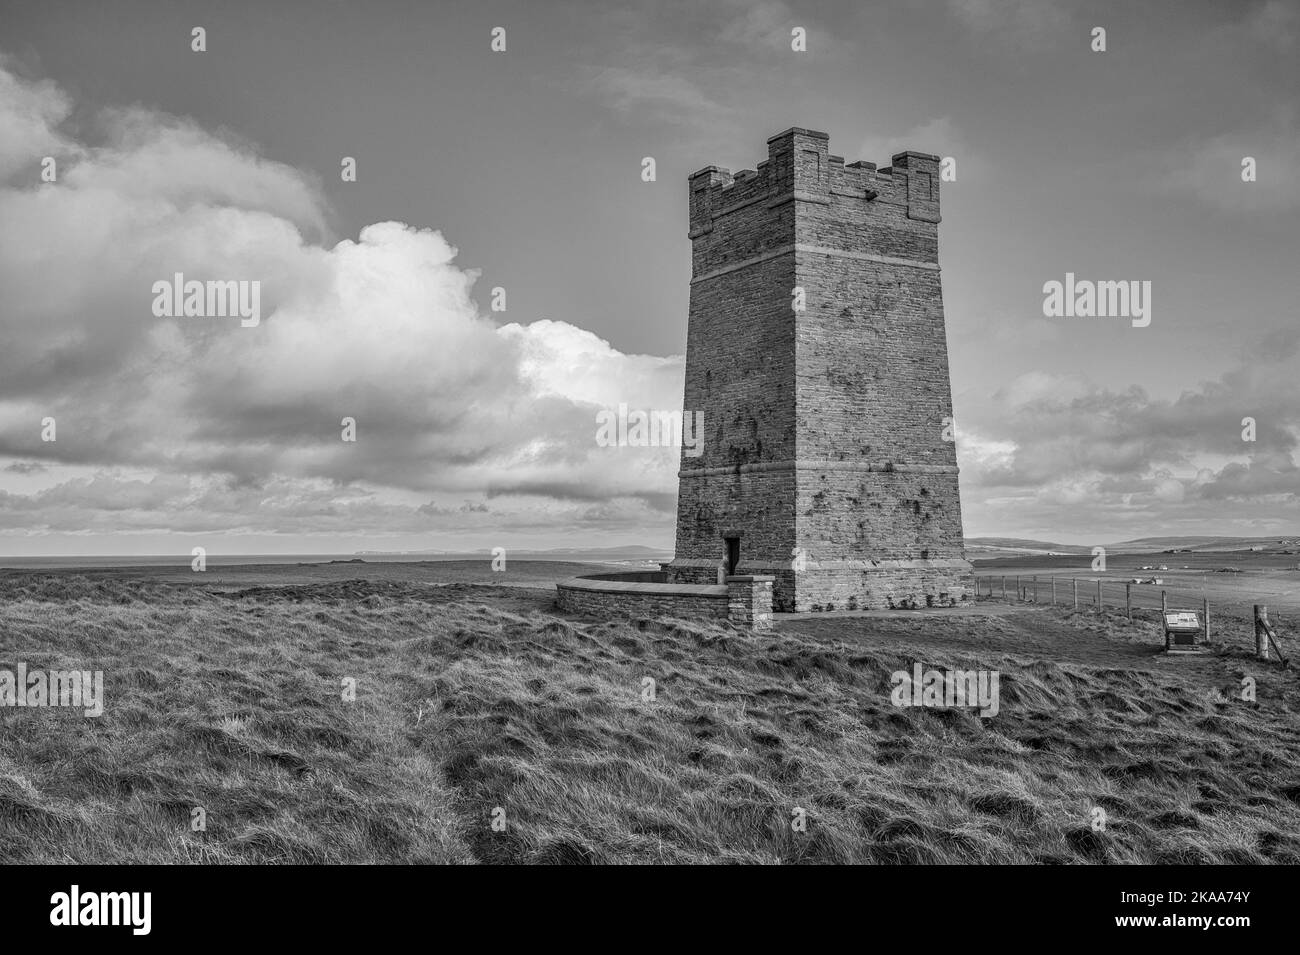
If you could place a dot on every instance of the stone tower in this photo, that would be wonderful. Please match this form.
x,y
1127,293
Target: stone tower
x,y
828,459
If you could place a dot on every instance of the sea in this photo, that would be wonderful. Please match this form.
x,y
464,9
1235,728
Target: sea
x,y
635,558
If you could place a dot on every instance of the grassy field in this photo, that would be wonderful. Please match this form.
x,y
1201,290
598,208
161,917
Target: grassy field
x,y
472,698
219,577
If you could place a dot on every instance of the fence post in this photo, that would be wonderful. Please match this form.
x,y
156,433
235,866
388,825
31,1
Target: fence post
x,y
1098,595
1205,612
1075,581
1261,635
1004,586
1128,601
1270,637
1035,588
1053,590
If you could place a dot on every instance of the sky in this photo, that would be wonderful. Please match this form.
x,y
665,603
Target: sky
x,y
522,170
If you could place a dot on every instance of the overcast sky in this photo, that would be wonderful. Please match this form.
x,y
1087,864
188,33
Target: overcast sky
x,y
522,169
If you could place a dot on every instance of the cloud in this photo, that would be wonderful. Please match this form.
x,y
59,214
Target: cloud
x,y
30,113
654,90
1273,23
734,44
239,426
1211,169
759,24
939,136
1041,445
1023,23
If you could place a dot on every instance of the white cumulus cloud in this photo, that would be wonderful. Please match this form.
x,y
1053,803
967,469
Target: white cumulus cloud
x,y
383,328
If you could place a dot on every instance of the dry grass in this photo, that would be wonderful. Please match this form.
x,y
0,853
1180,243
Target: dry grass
x,y
471,698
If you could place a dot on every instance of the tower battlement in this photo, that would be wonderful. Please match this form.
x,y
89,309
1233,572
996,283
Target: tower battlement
x,y
816,350
800,166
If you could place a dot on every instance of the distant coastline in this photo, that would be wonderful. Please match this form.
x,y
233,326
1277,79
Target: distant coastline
x,y
594,556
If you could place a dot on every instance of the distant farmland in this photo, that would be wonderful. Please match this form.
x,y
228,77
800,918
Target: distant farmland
x,y
1272,579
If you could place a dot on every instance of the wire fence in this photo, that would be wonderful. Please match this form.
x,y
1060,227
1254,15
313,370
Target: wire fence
x,y
1096,593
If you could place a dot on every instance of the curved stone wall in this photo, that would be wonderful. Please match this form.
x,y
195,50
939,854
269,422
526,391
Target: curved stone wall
x,y
744,601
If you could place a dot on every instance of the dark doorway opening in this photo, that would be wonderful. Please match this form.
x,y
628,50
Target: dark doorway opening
x,y
733,554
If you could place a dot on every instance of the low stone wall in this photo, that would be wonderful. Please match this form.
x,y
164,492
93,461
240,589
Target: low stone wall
x,y
706,571
744,601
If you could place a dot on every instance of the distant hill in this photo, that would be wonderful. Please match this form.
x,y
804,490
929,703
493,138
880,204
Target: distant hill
x,y
1217,544
631,549
1011,546
622,552
976,546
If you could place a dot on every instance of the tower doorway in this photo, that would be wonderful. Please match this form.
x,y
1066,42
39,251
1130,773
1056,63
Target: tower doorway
x,y
733,554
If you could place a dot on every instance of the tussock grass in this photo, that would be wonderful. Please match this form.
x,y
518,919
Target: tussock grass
x,y
472,699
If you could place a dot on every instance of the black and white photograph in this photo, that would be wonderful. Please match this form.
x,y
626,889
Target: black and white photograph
x,y
650,432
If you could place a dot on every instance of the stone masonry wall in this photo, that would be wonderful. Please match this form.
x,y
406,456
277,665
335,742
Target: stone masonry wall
x,y
891,585
740,373
749,600
631,603
745,601
828,424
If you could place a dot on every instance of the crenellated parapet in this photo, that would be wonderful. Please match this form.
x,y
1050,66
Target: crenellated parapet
x,y
800,168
